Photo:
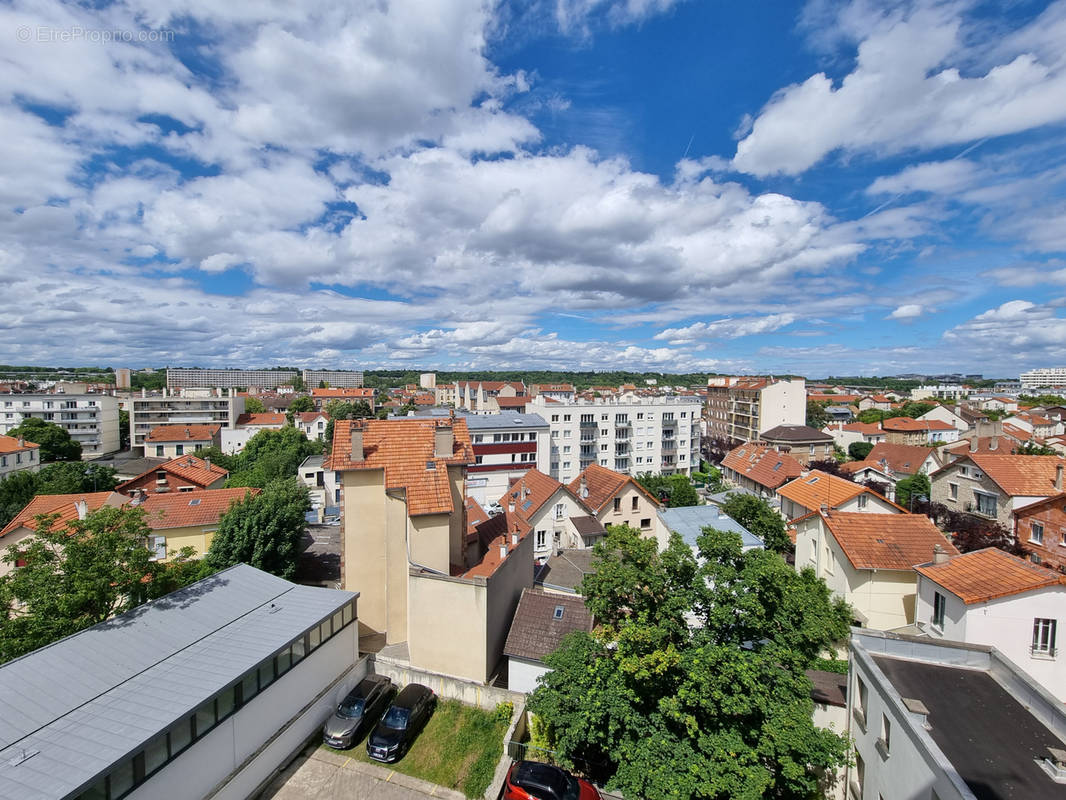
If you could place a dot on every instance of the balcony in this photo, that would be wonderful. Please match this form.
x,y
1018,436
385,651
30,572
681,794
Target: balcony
x,y
669,423
588,423
669,445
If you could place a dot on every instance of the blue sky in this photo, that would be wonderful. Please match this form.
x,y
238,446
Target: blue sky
x,y
836,188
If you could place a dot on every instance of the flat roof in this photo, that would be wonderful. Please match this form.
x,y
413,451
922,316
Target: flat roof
x,y
689,521
990,738
505,420
83,703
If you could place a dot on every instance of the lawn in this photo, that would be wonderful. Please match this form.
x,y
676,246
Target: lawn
x,y
459,748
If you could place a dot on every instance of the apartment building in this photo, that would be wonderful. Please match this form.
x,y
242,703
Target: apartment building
x,y
628,435
178,378
1045,378
90,419
171,441
338,379
506,446
18,455
743,408
187,407
353,394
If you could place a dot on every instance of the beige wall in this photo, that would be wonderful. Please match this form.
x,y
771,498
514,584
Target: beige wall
x,y
12,538
363,537
941,492
627,515
170,449
197,537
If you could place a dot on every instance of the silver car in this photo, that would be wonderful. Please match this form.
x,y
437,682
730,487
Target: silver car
x,y
358,712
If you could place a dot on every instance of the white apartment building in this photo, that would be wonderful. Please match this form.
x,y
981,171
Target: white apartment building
x,y
506,446
627,435
940,391
743,408
90,419
189,407
229,378
335,379
1044,378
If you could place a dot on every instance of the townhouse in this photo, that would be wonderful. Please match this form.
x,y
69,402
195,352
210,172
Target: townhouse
x,y
172,441
248,425
741,409
18,455
993,598
90,419
817,489
1040,528
312,424
540,623
995,486
868,560
803,443
759,469
846,434
483,397
351,394
904,430
182,474
903,460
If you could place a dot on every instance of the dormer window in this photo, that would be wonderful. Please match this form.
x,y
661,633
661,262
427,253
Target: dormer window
x,y
558,613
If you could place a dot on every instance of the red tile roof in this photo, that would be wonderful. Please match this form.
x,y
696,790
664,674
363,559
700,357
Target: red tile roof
x,y
189,468
817,487
905,458
475,515
11,444
497,533
886,541
267,418
1003,444
603,486
311,416
343,392
185,509
988,574
762,464
63,505
404,450
512,402
183,433
903,424
1026,476
530,492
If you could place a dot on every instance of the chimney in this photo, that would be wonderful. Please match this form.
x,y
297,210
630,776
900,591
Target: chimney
x,y
584,488
993,443
1058,477
358,454
940,555
514,538
503,551
974,441
443,441
207,464
510,507
82,508
824,508
22,442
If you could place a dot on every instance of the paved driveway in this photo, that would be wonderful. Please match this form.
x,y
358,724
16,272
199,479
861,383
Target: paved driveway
x,y
321,775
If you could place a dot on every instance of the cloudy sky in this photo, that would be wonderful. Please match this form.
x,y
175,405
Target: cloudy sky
x,y
867,188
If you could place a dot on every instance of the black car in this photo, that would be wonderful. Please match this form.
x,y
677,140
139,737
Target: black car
x,y
410,710
358,711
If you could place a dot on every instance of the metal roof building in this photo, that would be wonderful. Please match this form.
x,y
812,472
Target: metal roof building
x,y
689,521
100,714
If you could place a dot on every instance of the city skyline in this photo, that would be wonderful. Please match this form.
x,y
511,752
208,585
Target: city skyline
x,y
659,186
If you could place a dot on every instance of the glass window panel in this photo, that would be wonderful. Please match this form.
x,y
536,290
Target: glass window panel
x,y
315,638
180,736
284,661
299,650
249,687
226,703
122,778
323,631
205,718
349,613
266,674
155,754
97,792
338,621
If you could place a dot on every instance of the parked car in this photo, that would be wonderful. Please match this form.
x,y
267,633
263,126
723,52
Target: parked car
x,y
408,713
358,712
531,780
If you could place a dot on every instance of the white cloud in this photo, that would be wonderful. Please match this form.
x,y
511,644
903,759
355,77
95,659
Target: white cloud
x,y
910,89
908,311
939,177
1018,332
727,328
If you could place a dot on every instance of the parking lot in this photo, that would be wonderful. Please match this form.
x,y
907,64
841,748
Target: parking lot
x,y
319,774
320,561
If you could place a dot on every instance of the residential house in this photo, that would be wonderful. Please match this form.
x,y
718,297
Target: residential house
x,y
993,598
540,622
943,391
18,455
878,402
66,507
445,394
995,486
404,545
759,468
875,475
90,419
323,486
206,692
946,720
839,413
689,522
904,430
615,499
819,489
563,392
188,407
312,423
803,443
951,415
172,441
846,434
903,460
186,519
183,474
248,425
868,560
564,571
346,394
481,396
1040,528
1037,425
741,409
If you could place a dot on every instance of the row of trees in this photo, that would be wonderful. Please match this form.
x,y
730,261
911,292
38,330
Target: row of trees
x,y
55,442
694,684
19,488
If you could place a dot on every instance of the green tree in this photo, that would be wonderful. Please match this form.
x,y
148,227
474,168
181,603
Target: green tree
x,y
299,404
16,491
263,530
674,490
915,409
718,709
1034,449
56,444
872,416
77,575
915,486
759,517
859,450
71,477
816,416
270,455
298,383
123,429
253,405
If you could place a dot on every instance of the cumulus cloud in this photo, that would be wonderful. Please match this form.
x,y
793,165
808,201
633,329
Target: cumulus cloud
x,y
911,87
908,311
727,328
1016,332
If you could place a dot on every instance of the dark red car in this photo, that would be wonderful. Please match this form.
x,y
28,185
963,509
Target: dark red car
x,y
531,780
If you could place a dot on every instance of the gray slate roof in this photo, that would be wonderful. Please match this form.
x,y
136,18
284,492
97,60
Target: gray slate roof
x,y
509,420
795,433
588,526
689,521
566,569
536,630
89,700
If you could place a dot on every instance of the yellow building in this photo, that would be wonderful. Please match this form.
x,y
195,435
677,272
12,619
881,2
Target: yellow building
x,y
187,519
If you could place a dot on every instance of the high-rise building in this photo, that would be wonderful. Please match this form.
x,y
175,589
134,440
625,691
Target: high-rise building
x,y
743,408
188,407
90,419
1044,378
334,379
178,378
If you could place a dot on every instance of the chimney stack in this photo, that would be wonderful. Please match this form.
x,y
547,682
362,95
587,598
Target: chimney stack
x,y
503,551
514,538
443,441
584,488
1058,477
974,440
207,464
22,442
358,454
82,508
510,507
993,443
940,555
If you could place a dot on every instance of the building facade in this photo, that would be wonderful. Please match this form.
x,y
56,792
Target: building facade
x,y
188,407
1044,378
90,419
634,435
743,408
505,447
18,455
179,378
338,379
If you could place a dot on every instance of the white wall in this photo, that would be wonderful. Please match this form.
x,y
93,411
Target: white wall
x,y
522,675
783,403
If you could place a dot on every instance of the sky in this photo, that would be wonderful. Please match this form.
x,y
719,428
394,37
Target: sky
x,y
666,185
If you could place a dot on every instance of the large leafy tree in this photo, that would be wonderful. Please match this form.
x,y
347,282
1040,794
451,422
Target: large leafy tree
x,y
270,455
76,575
816,416
859,450
760,518
694,684
15,492
916,486
263,530
66,477
299,404
56,444
253,405
674,490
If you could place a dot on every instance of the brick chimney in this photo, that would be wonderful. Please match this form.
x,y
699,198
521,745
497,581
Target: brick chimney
x,y
1058,477
443,441
207,464
993,443
358,453
22,442
940,555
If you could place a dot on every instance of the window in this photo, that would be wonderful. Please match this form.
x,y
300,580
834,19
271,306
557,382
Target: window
x,y
1044,637
3,461
158,546
1036,533
566,417
186,488
618,504
542,537
862,501
953,491
558,613
159,450
559,509
939,603
646,522
986,504
636,503
555,417
884,742
860,777
863,699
